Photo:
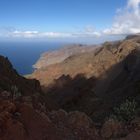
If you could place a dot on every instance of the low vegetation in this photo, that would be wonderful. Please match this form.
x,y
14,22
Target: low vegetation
x,y
15,92
126,111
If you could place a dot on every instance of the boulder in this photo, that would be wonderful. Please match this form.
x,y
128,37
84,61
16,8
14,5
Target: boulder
x,y
111,128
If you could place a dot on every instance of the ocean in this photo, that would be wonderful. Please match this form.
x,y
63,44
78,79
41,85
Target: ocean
x,y
24,54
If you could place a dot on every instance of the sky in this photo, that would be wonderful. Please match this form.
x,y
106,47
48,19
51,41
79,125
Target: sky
x,y
71,20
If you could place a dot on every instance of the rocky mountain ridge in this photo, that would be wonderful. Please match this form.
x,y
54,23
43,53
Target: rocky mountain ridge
x,y
97,81
88,96
92,63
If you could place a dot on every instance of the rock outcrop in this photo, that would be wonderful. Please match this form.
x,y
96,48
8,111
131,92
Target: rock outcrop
x,y
20,121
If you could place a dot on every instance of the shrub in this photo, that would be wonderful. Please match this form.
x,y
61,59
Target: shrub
x,y
126,111
15,92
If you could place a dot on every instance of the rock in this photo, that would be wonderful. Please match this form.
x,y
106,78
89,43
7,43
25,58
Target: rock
x,y
37,126
25,123
74,125
27,100
133,136
135,124
79,120
5,95
58,116
7,106
15,131
111,128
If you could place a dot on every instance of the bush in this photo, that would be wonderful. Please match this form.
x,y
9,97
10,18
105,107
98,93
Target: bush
x,y
15,92
126,111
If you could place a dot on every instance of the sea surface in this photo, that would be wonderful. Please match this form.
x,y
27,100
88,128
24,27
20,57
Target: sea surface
x,y
24,54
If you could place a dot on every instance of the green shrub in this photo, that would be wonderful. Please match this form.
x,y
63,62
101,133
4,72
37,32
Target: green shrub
x,y
126,111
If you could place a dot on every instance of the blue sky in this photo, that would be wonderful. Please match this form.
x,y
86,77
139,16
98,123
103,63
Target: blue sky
x,y
68,19
57,15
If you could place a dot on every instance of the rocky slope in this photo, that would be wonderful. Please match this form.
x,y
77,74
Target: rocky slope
x,y
79,104
95,82
93,63
57,56
25,115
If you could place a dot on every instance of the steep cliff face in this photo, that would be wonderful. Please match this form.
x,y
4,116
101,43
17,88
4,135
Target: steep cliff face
x,y
9,78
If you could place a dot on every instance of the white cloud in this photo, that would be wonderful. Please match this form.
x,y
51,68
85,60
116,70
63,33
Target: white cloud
x,y
87,32
134,4
127,20
36,34
33,34
25,34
